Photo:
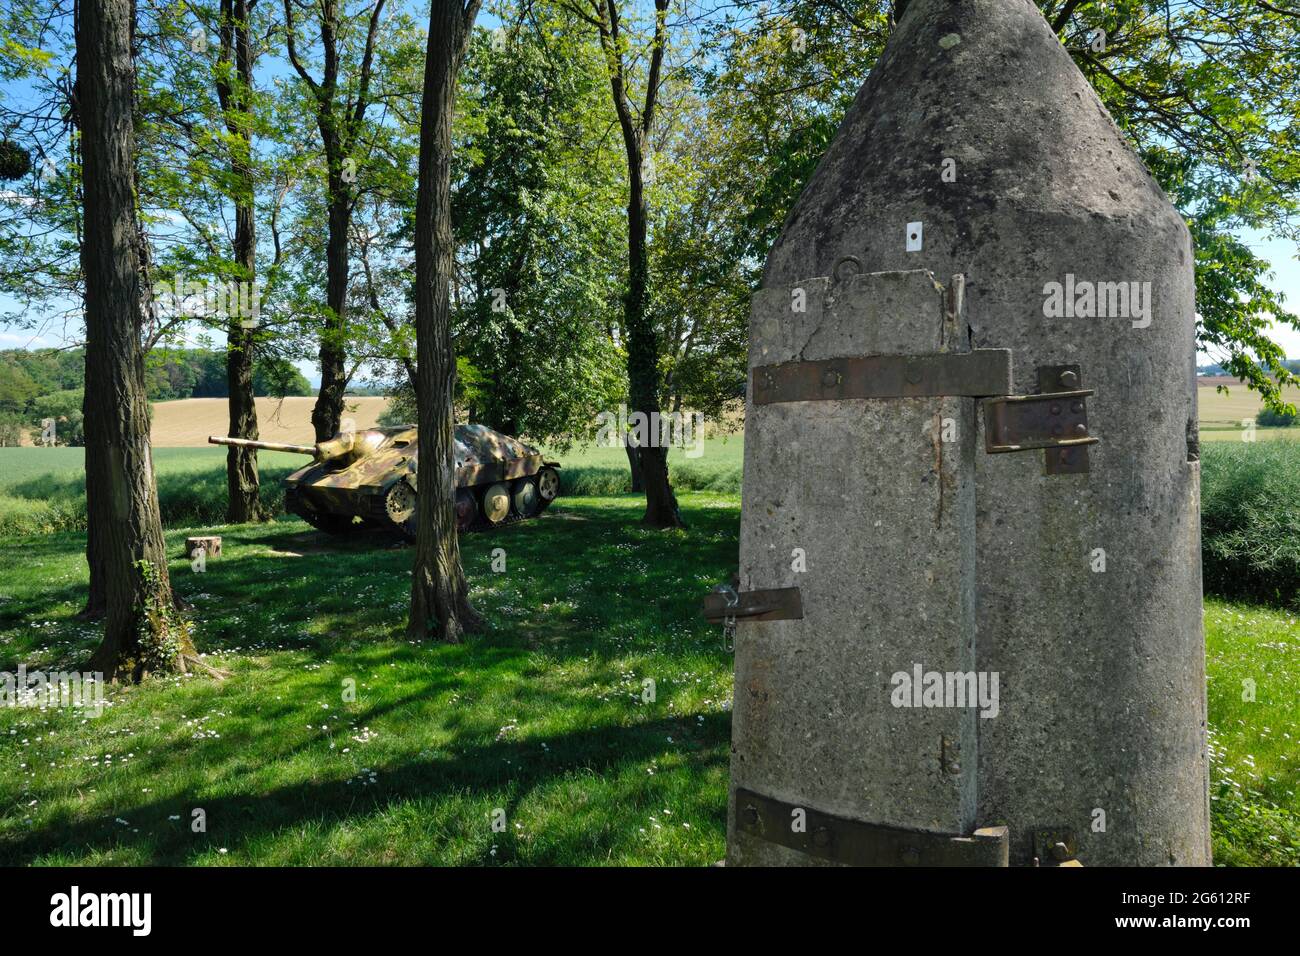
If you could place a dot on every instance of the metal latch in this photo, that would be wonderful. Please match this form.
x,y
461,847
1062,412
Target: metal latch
x,y
856,843
771,604
725,605
1053,420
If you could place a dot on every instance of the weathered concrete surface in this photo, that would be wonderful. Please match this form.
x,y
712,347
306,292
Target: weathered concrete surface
x,y
889,581
1101,674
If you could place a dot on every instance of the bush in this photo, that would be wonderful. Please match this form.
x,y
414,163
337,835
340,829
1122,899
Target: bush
x,y
65,408
600,481
11,430
401,408
187,498
1274,419
1250,520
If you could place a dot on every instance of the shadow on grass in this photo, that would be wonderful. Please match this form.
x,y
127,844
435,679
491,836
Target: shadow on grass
x,y
585,591
234,821
596,565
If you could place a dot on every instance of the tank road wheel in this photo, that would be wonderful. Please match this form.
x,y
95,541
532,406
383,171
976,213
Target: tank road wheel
x,y
466,509
524,496
548,485
399,505
496,503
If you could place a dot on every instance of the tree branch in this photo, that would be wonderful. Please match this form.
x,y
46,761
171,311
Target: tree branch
x,y
293,50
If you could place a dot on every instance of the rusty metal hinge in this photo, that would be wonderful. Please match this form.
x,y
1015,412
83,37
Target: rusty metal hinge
x,y
1055,419
856,843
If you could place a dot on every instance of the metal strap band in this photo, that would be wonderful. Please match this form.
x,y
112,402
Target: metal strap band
x,y
975,374
856,843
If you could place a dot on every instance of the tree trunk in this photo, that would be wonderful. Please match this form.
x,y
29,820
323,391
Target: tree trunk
x,y
96,598
328,411
643,347
633,463
142,632
439,594
242,481
339,123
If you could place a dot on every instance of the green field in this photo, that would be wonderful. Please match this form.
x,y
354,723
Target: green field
x,y
43,489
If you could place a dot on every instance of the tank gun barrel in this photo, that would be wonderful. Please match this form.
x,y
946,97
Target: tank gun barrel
x,y
267,445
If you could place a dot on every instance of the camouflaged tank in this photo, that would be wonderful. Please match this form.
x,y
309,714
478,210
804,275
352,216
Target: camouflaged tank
x,y
368,478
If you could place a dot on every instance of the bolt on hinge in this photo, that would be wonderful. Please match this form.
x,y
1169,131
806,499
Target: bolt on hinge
x,y
1054,419
1055,846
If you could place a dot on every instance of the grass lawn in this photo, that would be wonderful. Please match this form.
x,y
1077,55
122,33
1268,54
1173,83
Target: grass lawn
x,y
545,717
1254,744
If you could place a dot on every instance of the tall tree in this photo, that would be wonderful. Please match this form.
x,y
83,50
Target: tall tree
x,y
234,79
642,338
142,631
533,161
340,116
439,594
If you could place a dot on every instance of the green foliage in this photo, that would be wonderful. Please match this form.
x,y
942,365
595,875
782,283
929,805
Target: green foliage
x,y
278,377
401,408
17,388
65,408
11,429
1276,418
1209,94
15,161
26,376
1250,520
529,168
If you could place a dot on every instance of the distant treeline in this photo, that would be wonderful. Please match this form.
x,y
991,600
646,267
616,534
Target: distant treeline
x,y
169,374
1291,365
42,384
